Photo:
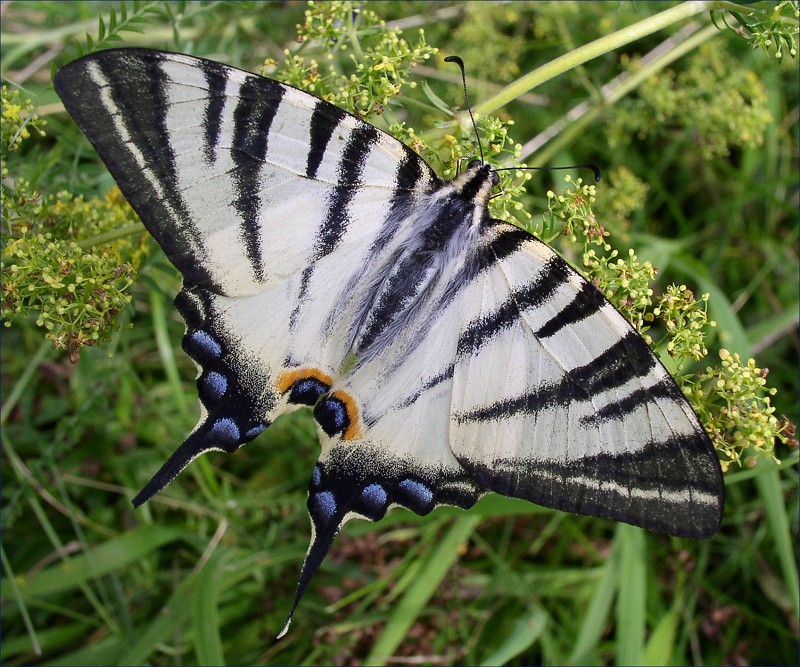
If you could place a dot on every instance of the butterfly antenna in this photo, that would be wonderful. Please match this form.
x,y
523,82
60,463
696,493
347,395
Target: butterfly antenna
x,y
587,165
457,60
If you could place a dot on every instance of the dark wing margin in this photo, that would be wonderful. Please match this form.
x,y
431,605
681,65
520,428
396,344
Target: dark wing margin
x,y
236,396
100,93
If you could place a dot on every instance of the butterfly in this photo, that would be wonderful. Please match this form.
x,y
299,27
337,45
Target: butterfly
x,y
444,354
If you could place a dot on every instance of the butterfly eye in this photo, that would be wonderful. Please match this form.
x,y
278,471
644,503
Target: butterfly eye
x,y
474,163
495,178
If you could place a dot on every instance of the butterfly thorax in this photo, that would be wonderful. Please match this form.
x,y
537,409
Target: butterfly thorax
x,y
430,250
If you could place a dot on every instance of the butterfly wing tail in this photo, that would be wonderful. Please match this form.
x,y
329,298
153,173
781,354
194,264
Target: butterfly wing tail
x,y
325,527
192,447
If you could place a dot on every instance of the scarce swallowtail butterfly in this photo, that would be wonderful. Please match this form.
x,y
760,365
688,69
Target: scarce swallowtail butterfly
x,y
445,354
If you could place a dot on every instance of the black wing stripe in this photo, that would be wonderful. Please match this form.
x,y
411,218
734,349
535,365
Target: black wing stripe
x,y
305,280
627,359
127,87
216,80
324,120
409,175
334,226
554,273
665,389
258,103
587,302
557,394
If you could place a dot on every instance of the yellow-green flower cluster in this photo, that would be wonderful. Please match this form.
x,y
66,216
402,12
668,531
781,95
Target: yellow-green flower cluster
x,y
733,401
18,120
685,319
713,104
625,282
378,59
73,290
571,214
74,294
775,31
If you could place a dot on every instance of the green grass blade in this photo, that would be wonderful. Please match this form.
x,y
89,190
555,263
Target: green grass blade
x,y
769,486
105,651
523,635
174,614
632,595
661,643
207,639
166,351
114,554
433,570
596,618
32,637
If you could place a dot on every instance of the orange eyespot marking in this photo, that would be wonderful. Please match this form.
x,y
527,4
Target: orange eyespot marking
x,y
287,378
353,430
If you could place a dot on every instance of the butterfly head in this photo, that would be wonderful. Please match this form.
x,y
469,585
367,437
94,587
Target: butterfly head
x,y
474,164
475,183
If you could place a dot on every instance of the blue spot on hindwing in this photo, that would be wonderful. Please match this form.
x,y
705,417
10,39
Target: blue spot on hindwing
x,y
316,477
255,431
307,391
206,343
375,496
215,385
331,414
419,494
226,431
325,504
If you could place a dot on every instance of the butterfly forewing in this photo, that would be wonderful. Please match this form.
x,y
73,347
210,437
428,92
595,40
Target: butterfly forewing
x,y
225,167
444,354
556,399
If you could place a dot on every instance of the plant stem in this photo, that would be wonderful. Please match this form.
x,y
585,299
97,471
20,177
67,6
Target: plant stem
x,y
107,237
585,113
592,50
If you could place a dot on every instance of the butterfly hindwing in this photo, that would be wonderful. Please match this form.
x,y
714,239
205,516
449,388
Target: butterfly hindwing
x,y
444,354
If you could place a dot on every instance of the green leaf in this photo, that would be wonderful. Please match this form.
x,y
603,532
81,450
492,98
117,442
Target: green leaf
x,y
661,643
769,487
207,639
114,554
596,618
437,101
632,587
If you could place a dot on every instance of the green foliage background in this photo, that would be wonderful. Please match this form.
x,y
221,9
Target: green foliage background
x,y
695,127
